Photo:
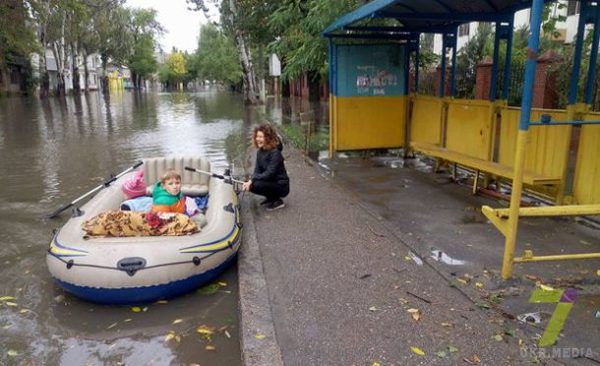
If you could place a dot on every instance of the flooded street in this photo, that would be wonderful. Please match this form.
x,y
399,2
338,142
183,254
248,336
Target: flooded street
x,y
55,150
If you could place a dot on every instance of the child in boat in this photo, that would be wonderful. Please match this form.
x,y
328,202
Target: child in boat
x,y
167,196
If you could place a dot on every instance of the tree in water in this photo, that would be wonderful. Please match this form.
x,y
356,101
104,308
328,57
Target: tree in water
x,y
232,19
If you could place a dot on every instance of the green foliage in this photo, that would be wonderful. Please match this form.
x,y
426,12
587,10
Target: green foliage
x,y
469,56
144,27
142,62
217,57
298,26
17,34
300,138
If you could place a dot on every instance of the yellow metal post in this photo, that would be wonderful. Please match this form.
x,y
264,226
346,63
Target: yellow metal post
x,y
515,202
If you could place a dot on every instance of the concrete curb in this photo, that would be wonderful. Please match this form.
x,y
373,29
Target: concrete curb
x,y
256,318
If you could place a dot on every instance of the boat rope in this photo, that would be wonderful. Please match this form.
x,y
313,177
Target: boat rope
x,y
71,263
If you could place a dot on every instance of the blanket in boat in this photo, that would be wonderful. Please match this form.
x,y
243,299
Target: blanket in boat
x,y
134,223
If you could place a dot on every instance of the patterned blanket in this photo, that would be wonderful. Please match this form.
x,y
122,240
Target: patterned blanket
x,y
134,223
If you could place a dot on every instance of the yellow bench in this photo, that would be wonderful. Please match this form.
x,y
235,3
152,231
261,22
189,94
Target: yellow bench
x,y
482,165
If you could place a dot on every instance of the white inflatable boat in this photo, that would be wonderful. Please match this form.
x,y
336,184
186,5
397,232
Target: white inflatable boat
x,y
133,270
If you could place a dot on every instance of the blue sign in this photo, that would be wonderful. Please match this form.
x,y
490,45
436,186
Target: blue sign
x,y
370,70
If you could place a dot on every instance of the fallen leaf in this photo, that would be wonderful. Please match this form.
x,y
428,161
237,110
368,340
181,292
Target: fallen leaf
x,y
473,360
463,281
204,330
598,272
222,284
145,308
210,348
23,311
8,303
178,339
446,324
169,336
376,364
136,309
260,336
452,349
112,326
532,278
177,321
126,320
12,353
417,350
415,313
227,334
498,338
546,288
162,302
441,354
372,308
478,284
4,298
483,305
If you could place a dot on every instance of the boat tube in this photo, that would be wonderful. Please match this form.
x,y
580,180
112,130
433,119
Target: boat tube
x,y
142,269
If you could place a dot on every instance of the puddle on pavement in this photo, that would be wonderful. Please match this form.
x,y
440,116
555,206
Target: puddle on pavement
x,y
440,256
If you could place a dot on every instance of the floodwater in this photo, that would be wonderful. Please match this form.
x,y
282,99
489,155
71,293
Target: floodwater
x,y
55,150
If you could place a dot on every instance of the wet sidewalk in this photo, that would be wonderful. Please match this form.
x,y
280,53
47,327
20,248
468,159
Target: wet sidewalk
x,y
340,286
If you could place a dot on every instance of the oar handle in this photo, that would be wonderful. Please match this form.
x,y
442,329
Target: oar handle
x,y
214,175
102,186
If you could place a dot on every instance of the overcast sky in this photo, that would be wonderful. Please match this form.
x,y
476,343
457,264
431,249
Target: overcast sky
x,y
182,25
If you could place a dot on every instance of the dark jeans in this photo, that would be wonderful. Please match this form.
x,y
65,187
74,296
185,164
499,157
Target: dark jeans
x,y
272,190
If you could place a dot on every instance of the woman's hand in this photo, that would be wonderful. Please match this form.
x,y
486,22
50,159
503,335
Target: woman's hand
x,y
246,186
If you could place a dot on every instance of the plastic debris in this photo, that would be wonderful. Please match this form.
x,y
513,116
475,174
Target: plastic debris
x,y
440,256
415,258
598,314
534,318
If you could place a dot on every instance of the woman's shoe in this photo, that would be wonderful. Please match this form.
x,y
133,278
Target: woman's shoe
x,y
276,205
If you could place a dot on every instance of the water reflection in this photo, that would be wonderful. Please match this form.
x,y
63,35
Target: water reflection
x,y
54,150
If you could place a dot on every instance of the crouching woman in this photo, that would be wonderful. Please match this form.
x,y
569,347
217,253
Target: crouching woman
x,y
270,178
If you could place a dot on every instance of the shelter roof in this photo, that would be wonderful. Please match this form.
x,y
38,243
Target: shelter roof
x,y
424,16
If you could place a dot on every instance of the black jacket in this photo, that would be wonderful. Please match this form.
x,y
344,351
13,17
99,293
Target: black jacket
x,y
269,166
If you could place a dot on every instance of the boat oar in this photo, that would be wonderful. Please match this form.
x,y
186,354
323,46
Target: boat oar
x,y
102,186
226,179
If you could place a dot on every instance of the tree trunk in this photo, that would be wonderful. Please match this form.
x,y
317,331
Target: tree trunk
x,y
86,72
250,88
75,70
44,76
134,79
43,66
60,76
261,74
104,78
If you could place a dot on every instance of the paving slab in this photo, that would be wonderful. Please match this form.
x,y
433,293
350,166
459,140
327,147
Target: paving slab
x,y
340,278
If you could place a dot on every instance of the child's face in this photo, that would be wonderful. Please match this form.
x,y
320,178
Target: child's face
x,y
173,186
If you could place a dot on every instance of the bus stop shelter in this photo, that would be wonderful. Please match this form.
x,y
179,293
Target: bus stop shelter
x,y
370,107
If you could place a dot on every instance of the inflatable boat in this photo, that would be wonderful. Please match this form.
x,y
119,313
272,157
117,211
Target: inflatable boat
x,y
142,269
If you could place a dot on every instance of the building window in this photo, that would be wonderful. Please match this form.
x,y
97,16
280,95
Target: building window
x,y
463,30
573,7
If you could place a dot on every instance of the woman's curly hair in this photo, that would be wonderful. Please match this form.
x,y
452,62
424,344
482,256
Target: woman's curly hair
x,y
271,139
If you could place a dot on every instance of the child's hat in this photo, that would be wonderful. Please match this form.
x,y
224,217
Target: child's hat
x,y
135,186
